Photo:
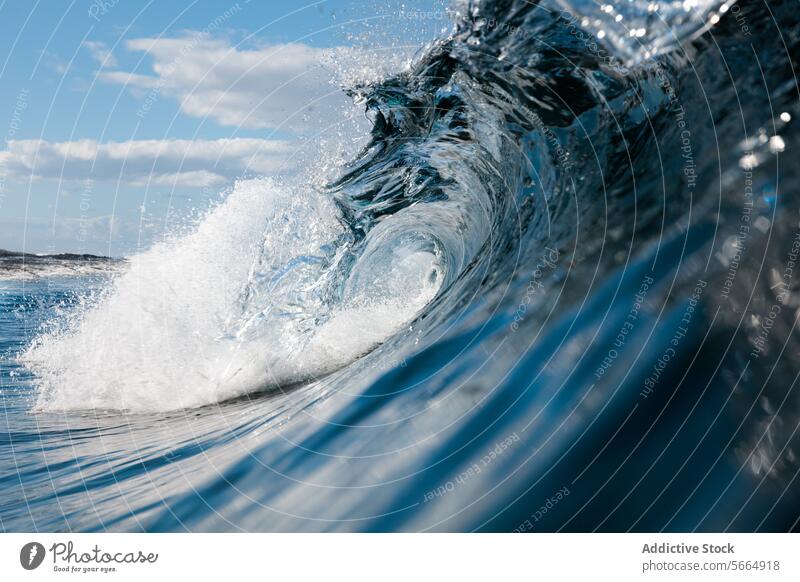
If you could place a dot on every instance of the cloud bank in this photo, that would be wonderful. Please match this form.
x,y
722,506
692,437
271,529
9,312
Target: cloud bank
x,y
173,162
291,87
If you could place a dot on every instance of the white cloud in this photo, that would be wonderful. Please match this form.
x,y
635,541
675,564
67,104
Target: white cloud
x,y
101,53
288,86
169,162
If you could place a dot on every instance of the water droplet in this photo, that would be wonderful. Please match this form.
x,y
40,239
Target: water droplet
x,y
762,223
748,162
776,144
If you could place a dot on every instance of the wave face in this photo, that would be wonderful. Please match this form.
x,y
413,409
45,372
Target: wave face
x,y
554,292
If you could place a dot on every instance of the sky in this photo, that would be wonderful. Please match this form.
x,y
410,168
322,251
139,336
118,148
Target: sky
x,y
122,118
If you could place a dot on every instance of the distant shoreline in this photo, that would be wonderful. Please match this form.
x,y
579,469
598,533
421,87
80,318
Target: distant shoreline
x,y
25,266
4,254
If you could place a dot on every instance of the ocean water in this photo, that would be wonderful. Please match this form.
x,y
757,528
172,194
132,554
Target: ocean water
x,y
557,291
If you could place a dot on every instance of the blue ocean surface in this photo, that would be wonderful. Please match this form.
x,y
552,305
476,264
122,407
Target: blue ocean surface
x,y
557,291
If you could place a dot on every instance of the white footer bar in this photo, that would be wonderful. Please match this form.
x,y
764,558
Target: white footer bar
x,y
400,557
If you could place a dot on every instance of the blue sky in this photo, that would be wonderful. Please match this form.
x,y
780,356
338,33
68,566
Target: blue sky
x,y
116,114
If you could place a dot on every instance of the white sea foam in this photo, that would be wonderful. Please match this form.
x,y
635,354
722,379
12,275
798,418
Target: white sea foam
x,y
232,307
